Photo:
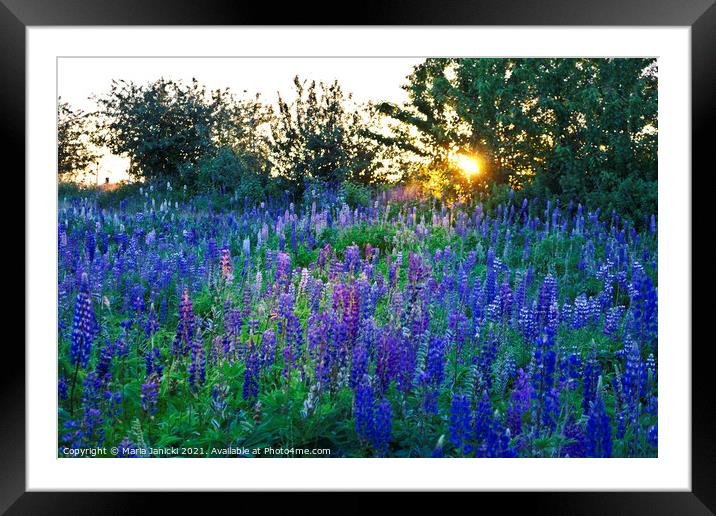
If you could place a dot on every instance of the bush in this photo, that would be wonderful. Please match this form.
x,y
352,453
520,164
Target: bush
x,y
498,194
128,192
634,198
69,190
356,195
228,173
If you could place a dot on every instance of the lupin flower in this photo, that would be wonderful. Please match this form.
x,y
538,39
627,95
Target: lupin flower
x,y
506,300
91,245
435,368
634,377
62,388
103,373
612,320
268,348
382,430
150,393
653,436
590,381
352,259
197,366
497,443
463,286
460,423
186,328
219,398
127,449
153,361
251,374
598,434
359,363
478,301
491,280
547,296
392,273
363,409
644,309
551,409
387,359
351,310
293,345
83,326
304,280
520,402
227,268
482,419
253,326
574,436
152,325
88,431
283,270
246,304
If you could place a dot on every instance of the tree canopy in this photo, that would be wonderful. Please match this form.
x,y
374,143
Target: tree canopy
x,y
75,153
582,128
160,126
318,137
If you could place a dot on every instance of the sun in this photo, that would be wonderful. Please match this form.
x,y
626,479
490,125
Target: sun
x,y
468,164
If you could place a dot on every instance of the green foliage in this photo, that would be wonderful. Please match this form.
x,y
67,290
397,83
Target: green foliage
x,y
356,195
160,126
582,129
304,257
172,130
226,171
75,153
319,136
70,190
125,193
378,236
128,192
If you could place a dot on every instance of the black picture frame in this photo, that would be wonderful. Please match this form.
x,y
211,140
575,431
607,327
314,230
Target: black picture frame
x,y
700,15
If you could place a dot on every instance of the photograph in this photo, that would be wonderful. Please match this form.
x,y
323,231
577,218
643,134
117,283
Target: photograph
x,y
357,257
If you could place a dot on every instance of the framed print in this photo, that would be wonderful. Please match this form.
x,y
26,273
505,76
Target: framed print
x,y
445,248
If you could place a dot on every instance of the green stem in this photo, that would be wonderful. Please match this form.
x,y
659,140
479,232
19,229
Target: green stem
x,y
72,393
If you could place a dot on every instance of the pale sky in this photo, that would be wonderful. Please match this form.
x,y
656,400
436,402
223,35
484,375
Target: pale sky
x,y
366,78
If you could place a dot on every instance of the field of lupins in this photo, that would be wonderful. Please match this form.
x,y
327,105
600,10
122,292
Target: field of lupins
x,y
407,328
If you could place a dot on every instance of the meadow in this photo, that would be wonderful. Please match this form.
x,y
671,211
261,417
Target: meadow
x,y
400,327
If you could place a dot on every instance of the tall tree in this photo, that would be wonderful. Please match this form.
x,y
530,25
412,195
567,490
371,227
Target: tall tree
x,y
75,152
239,158
160,126
318,136
241,124
580,128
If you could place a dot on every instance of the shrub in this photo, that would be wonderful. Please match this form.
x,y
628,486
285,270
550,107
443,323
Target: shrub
x,y
356,195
